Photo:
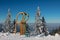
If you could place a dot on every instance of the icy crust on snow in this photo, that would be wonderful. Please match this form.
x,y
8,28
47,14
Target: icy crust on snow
x,y
10,36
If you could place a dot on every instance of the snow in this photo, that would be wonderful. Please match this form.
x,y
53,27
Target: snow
x,y
17,36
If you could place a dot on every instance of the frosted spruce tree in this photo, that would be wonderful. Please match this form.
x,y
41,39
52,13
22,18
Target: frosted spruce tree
x,y
44,30
7,23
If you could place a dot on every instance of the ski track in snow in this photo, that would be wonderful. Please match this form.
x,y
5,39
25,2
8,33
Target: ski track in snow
x,y
4,36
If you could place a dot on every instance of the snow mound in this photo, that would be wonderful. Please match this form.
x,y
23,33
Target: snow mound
x,y
17,36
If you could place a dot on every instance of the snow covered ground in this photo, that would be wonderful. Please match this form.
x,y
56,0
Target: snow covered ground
x,y
10,36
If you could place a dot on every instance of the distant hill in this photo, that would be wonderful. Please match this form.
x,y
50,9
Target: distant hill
x,y
52,26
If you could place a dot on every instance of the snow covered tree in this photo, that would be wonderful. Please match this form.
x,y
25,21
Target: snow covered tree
x,y
44,26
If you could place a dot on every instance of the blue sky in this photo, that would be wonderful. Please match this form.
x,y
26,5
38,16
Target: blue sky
x,y
50,9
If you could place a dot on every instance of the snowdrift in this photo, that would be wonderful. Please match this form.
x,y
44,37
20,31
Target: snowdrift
x,y
10,36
